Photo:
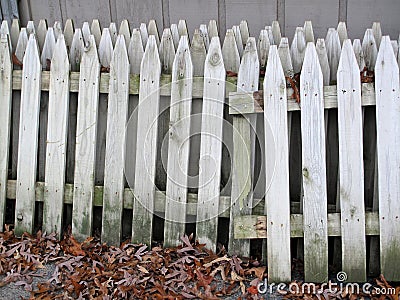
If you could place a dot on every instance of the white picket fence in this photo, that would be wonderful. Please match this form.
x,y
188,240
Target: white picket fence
x,y
87,78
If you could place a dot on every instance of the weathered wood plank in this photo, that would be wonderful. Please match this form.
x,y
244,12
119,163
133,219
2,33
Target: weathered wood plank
x,y
135,52
351,185
230,52
323,60
314,169
30,28
57,28
308,32
5,118
244,31
212,29
198,53
86,135
115,147
167,51
28,140
175,34
357,48
95,29
370,49
298,49
148,113
263,48
277,170
276,32
342,32
211,146
268,29
144,34
113,33
388,143
69,31
41,34
238,39
244,149
204,34
124,29
377,31
58,112
178,145
333,49
152,30
182,28
48,48
14,34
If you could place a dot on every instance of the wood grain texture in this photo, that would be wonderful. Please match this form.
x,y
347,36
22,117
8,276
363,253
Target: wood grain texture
x,y
28,140
5,117
309,32
244,149
115,147
135,51
276,32
323,61
198,53
41,34
86,134
370,49
314,169
124,29
178,145
358,51
377,31
58,112
148,113
342,32
167,51
211,146
230,52
277,196
95,29
263,48
388,140
298,48
351,185
69,31
333,49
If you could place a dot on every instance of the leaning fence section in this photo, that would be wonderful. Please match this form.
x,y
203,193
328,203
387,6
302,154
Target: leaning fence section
x,y
106,120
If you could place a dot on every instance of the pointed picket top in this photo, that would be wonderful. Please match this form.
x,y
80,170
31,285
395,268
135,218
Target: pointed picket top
x,y
57,29
76,50
263,48
175,34
212,29
376,29
270,34
69,33
113,32
395,46
5,31
342,31
152,30
285,58
276,32
323,60
167,51
204,34
95,29
309,32
370,49
198,52
48,48
182,28
388,142
244,31
359,53
230,52
21,47
298,48
124,29
30,28
41,33
135,51
105,49
333,49
249,70
144,34
14,34
86,32
351,174
179,147
238,39
311,68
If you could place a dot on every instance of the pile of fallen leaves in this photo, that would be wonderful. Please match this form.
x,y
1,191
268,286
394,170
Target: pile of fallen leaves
x,y
93,270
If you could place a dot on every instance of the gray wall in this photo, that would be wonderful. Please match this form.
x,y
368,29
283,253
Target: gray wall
x,y
359,14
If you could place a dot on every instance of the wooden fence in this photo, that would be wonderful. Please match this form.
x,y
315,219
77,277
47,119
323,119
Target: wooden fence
x,y
67,136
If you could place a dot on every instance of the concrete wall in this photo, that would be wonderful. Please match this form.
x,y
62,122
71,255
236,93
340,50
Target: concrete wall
x,y
359,14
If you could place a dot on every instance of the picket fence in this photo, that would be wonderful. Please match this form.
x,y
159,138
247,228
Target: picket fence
x,y
80,73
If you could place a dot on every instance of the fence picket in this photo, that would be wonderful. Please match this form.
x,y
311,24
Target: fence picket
x,y
14,33
86,33
388,143
238,39
270,34
376,29
152,30
351,183
30,28
244,32
41,34
76,50
28,139
57,130
212,29
342,32
95,30
211,147
167,51
175,35
323,60
105,49
124,29
314,169
198,52
308,32
21,47
148,113
244,152
204,33
86,136
115,145
57,28
230,52
144,34
370,49
298,49
5,118
333,49
276,32
277,197
395,46
48,48
182,28
263,48
135,51
113,33
359,54
69,31
178,145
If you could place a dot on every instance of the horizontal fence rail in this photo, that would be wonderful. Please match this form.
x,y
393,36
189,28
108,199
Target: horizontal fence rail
x,y
292,141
